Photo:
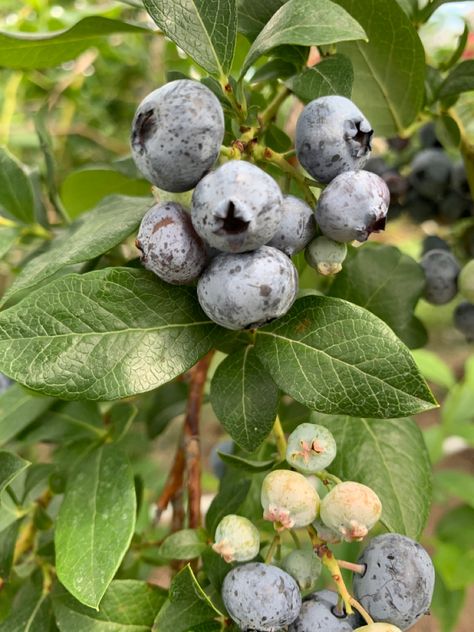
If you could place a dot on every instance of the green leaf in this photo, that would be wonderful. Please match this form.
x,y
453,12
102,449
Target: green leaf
x,y
104,335
447,604
16,190
67,422
168,402
205,29
8,539
184,545
11,466
456,526
121,417
254,15
8,236
45,50
128,605
338,358
454,564
333,75
188,605
90,236
459,50
389,70
85,188
433,368
95,523
409,6
386,282
305,23
460,79
457,484
390,457
245,464
18,408
31,611
244,398
227,501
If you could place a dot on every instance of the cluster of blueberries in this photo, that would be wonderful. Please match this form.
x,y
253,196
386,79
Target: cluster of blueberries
x,y
393,578
241,232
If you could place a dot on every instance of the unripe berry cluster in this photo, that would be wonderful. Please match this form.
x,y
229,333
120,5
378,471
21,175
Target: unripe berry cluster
x,y
240,233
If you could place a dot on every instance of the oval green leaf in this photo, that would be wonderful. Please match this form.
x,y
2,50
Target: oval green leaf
x,y
338,358
333,75
16,190
185,544
95,523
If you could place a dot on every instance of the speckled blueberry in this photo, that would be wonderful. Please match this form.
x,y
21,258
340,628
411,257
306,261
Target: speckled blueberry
x,y
332,136
297,226
261,597
464,319
430,173
177,134
237,207
169,244
319,614
353,206
398,583
248,289
441,273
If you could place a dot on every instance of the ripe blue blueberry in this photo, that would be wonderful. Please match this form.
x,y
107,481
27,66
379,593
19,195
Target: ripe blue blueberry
x,y
398,583
441,272
353,206
217,464
177,134
236,539
319,614
459,181
310,448
304,566
433,242
430,173
325,255
248,289
237,207
297,226
261,597
169,244
332,136
464,319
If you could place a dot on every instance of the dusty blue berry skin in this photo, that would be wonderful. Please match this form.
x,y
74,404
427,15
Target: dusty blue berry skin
x,y
352,206
261,597
169,244
459,181
237,207
332,136
297,226
249,289
441,272
397,586
430,173
464,320
177,134
317,614
217,464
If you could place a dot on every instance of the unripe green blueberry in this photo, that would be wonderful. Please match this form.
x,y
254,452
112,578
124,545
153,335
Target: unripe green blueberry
x,y
466,281
311,448
237,539
326,255
289,500
325,533
304,567
352,509
378,627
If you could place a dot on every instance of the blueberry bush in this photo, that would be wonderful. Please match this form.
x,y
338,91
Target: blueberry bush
x,y
193,203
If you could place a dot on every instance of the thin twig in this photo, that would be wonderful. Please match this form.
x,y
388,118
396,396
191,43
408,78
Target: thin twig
x,y
192,448
174,482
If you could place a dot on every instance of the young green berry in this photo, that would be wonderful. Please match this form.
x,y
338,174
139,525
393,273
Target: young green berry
x,y
261,597
378,627
304,566
236,539
326,255
289,500
297,226
352,509
237,207
319,613
177,134
466,281
398,583
169,245
311,448
325,533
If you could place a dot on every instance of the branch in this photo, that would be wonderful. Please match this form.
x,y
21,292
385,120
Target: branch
x,y
192,448
174,482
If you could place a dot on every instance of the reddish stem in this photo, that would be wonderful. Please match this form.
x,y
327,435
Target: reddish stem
x,y
174,482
